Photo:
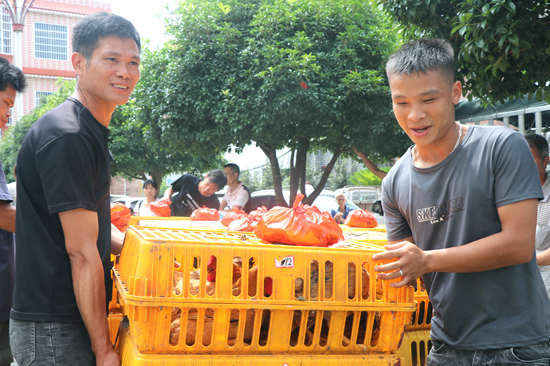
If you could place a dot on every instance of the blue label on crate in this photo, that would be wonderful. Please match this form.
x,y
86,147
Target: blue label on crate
x,y
286,262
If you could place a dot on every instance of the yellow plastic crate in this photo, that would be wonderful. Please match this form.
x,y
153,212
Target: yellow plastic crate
x,y
422,317
415,348
131,356
293,318
114,320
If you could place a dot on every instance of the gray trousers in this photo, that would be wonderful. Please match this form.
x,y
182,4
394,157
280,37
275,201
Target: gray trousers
x,y
48,344
533,355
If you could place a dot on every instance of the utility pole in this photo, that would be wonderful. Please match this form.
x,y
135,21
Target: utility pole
x,y
18,11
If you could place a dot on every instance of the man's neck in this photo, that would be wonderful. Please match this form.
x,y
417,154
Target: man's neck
x,y
342,208
100,110
234,185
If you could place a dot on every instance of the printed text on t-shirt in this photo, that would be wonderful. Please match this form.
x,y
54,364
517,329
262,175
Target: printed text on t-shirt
x,y
439,213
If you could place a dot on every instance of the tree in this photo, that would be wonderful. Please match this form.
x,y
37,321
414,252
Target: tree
x,y
366,178
502,47
10,145
302,74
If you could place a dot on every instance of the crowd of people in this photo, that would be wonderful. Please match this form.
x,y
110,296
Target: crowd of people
x,y
460,207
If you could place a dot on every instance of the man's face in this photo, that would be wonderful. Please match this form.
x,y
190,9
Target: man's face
x,y
341,200
7,99
112,72
207,188
541,163
423,105
231,177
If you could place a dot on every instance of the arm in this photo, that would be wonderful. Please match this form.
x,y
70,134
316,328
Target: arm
x,y
223,205
117,240
7,217
543,258
515,244
370,165
80,228
168,193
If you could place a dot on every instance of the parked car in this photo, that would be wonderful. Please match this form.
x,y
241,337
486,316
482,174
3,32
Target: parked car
x,y
362,196
128,201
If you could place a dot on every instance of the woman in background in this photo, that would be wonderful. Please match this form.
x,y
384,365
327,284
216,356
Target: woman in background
x,y
151,191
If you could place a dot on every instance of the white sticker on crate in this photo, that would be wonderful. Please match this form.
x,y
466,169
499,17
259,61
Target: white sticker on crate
x,y
286,262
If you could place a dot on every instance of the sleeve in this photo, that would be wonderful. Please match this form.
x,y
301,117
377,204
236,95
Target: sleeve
x,y
241,200
397,227
71,157
178,183
332,213
4,191
515,170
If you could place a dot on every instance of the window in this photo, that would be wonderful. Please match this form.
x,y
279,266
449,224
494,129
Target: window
x,y
40,96
50,41
5,31
10,120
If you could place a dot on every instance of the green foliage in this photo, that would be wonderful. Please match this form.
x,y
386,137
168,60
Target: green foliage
x,y
366,178
299,74
502,46
141,144
10,145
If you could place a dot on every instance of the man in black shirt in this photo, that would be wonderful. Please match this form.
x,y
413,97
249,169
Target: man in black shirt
x,y
64,232
193,192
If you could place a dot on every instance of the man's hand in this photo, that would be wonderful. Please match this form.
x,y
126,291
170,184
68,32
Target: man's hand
x,y
338,217
107,358
411,261
7,217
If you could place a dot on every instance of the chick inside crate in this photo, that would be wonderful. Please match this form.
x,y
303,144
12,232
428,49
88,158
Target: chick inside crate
x,y
219,294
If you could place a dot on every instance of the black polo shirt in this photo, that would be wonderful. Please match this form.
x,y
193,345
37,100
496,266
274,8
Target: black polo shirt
x,y
188,197
63,164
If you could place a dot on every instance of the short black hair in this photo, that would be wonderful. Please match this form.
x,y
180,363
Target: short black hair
x,y
423,55
217,177
88,32
539,143
234,168
11,76
152,183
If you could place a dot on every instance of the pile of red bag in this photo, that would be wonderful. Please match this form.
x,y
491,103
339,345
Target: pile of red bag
x,y
120,216
300,225
161,207
238,220
361,218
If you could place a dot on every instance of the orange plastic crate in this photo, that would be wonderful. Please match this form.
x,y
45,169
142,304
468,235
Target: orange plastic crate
x,y
422,317
144,280
131,356
415,348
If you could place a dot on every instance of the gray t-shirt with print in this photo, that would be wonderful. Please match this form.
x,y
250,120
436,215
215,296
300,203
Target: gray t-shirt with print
x,y
455,203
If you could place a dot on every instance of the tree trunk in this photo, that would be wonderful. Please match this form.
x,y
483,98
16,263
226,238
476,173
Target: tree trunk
x,y
324,177
157,177
271,152
298,171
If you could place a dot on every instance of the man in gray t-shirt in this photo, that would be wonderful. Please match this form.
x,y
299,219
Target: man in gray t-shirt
x,y
460,208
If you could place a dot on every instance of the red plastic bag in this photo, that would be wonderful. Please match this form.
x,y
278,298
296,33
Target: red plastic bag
x,y
232,216
299,225
205,214
120,216
361,218
247,224
257,214
162,207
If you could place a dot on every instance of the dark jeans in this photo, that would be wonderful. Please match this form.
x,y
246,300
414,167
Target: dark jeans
x,y
5,353
534,355
48,344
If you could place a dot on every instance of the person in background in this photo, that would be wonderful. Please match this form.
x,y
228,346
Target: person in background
x,y
64,233
539,150
188,192
341,213
237,195
151,191
370,165
460,208
12,80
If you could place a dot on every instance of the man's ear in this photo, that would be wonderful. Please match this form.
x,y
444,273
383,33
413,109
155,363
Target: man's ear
x,y
79,63
546,160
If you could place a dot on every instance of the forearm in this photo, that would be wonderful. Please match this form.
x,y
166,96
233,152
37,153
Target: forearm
x,y
223,205
7,217
492,252
168,193
117,239
89,288
543,258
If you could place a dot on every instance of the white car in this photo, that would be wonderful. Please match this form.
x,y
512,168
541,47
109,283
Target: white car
x,y
128,201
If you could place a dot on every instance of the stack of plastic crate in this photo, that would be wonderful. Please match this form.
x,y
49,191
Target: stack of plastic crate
x,y
280,314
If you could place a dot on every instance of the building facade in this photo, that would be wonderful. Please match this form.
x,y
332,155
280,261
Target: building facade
x,y
46,44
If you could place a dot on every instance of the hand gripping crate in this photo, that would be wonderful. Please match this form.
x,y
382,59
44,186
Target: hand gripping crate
x,y
415,348
131,356
279,306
